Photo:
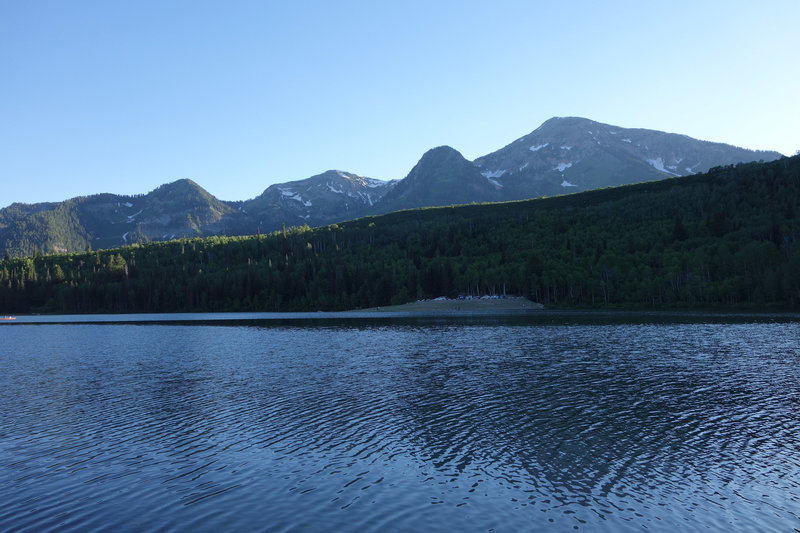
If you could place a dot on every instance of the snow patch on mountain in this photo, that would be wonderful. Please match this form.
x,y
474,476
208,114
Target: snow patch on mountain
x,y
658,164
355,179
334,189
566,147
290,194
691,170
523,166
362,197
373,183
627,141
495,182
493,174
562,167
537,147
565,183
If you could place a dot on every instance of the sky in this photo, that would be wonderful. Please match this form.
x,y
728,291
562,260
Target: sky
x,y
123,96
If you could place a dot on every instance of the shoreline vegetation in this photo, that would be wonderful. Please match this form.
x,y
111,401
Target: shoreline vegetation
x,y
728,239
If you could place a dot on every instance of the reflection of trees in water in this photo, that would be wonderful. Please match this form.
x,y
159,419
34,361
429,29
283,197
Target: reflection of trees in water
x,y
617,419
593,411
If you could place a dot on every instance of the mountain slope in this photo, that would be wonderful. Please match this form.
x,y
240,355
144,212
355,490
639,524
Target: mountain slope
x,y
46,227
563,155
177,209
183,209
332,196
726,238
441,177
574,154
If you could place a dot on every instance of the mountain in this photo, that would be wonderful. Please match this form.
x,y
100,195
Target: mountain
x,y
442,177
177,209
184,209
573,154
729,239
326,198
563,155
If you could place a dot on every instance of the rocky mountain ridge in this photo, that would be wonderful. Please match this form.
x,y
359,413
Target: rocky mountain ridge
x,y
563,155
572,154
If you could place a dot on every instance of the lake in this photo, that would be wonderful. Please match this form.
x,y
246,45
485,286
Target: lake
x,y
558,421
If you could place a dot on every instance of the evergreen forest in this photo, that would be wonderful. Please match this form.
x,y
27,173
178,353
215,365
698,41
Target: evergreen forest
x,y
724,239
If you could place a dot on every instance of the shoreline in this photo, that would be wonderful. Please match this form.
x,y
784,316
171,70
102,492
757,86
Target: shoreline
x,y
473,305
438,308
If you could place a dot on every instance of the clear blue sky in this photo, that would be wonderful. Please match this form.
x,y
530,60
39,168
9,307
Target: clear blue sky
x,y
123,96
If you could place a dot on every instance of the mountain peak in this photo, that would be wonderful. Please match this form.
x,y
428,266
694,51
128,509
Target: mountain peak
x,y
566,120
441,177
181,186
444,163
563,155
438,156
571,154
441,151
557,125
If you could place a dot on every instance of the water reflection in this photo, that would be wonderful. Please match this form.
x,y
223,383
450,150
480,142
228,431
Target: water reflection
x,y
437,426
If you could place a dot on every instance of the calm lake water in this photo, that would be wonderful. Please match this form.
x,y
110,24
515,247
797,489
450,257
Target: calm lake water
x,y
559,422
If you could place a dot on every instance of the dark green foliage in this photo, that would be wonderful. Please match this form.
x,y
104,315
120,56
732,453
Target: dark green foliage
x,y
728,237
48,227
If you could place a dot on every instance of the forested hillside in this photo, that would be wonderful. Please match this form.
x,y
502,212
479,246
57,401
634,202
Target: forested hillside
x,y
725,238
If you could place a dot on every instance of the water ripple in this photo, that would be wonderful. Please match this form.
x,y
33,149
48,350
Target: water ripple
x,y
470,427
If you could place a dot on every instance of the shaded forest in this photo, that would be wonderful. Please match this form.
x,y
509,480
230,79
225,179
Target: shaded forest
x,y
727,238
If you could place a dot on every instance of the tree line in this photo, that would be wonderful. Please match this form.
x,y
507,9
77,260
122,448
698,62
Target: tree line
x,y
724,238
